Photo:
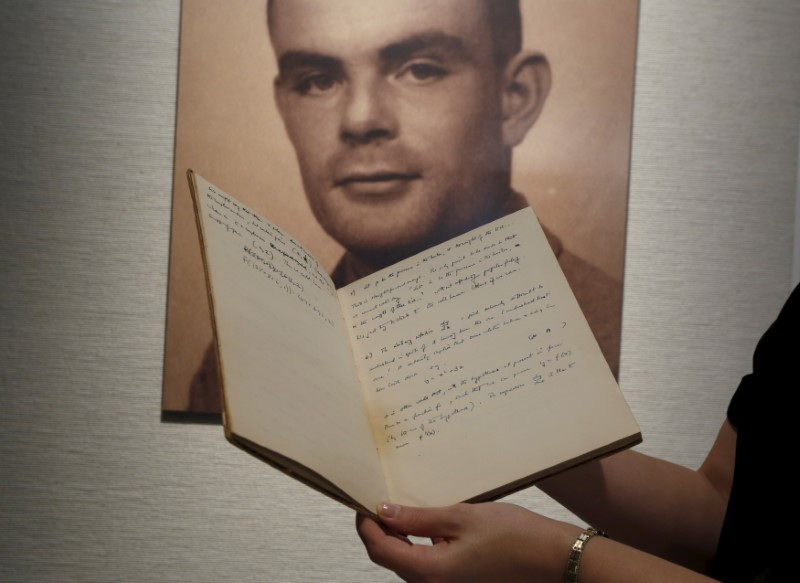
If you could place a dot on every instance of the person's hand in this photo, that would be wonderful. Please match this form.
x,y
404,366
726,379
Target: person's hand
x,y
471,542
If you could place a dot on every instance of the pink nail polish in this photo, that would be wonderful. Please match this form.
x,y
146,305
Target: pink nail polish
x,y
387,510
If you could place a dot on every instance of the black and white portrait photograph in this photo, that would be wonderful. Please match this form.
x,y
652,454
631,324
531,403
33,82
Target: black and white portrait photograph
x,y
372,131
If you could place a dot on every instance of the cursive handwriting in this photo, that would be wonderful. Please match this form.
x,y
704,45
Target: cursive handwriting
x,y
270,252
454,334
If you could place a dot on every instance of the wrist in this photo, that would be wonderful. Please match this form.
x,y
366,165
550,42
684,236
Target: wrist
x,y
547,547
577,551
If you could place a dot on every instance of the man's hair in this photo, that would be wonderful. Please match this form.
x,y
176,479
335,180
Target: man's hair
x,y
505,24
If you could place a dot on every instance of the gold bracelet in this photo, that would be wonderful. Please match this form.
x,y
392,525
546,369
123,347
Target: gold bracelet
x,y
575,554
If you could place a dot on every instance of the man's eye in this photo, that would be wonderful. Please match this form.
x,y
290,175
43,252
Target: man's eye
x,y
424,72
315,84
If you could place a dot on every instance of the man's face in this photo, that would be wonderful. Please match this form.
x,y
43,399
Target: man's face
x,y
393,109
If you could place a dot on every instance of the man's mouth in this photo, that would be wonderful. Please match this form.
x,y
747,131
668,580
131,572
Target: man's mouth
x,y
379,184
374,178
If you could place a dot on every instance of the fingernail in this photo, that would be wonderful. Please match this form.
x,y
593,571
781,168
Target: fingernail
x,y
387,510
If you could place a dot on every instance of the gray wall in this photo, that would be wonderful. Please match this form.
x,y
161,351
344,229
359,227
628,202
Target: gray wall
x,y
95,487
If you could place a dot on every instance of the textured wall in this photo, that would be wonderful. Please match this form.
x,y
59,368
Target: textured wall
x,y
94,486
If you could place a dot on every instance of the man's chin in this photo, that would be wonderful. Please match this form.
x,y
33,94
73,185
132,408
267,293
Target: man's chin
x,y
382,252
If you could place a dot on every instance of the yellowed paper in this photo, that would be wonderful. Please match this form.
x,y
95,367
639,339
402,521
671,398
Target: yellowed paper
x,y
475,354
288,375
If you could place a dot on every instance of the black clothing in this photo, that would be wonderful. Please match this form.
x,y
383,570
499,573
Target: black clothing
x,y
757,542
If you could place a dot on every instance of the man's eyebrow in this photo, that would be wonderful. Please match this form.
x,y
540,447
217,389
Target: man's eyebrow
x,y
303,59
435,39
393,53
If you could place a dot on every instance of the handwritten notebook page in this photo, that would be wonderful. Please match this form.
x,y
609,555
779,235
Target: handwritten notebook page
x,y
288,374
475,355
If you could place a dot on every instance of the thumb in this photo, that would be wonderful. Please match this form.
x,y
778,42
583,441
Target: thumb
x,y
443,522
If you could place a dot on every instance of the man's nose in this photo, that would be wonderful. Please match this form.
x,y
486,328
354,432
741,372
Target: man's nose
x,y
368,114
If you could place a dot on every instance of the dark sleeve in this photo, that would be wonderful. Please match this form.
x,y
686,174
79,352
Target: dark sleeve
x,y
763,498
774,363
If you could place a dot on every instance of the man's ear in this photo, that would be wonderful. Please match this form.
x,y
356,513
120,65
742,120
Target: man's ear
x,y
526,85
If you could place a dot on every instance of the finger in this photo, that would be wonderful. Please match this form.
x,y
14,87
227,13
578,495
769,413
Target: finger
x,y
435,523
388,550
366,524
